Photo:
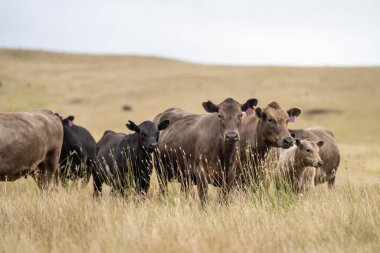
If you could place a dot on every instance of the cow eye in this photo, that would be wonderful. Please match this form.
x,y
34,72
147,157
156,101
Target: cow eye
x,y
219,116
308,151
143,135
240,115
270,120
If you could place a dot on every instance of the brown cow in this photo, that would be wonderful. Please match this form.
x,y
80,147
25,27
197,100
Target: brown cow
x,y
298,163
260,132
201,149
329,153
29,140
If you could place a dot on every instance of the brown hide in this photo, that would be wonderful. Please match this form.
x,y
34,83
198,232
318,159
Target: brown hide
x,y
29,140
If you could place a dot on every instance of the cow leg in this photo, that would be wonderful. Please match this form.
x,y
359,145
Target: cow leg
x,y
49,169
97,182
185,180
66,173
37,174
74,177
144,185
56,177
224,191
202,186
89,168
331,183
161,175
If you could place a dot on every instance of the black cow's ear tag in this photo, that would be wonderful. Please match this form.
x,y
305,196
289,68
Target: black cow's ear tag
x,y
292,119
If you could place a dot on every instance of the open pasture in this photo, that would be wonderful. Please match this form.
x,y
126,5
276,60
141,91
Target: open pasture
x,y
96,88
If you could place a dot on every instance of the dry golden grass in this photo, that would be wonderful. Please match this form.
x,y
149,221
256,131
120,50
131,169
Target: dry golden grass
x,y
94,88
344,220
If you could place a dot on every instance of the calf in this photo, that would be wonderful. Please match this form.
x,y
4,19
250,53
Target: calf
x,y
30,140
201,149
78,151
329,153
297,164
265,129
122,158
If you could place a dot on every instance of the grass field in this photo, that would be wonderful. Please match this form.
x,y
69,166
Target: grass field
x,y
95,88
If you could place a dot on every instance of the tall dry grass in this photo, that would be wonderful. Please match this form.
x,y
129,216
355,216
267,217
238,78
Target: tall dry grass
x,y
344,220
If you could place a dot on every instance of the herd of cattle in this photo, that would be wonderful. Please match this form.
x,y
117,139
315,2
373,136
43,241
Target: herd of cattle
x,y
228,147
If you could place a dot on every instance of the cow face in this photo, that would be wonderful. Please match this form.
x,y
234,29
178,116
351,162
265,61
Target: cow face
x,y
229,114
308,152
275,124
148,133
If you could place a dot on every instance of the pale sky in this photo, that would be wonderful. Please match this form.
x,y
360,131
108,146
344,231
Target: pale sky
x,y
260,32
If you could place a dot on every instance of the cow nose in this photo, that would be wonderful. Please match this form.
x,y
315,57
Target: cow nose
x,y
320,163
153,146
287,142
232,136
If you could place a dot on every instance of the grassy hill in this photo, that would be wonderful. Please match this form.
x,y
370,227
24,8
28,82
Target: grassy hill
x,y
95,88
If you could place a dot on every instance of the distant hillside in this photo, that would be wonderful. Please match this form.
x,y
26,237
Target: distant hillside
x,y
94,88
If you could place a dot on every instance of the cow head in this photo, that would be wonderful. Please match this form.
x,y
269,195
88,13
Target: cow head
x,y
308,152
275,124
229,113
69,121
148,133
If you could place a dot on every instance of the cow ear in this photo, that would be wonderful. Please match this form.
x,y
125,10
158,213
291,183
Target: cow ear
x,y
132,126
320,143
249,104
210,106
298,143
294,112
259,112
163,125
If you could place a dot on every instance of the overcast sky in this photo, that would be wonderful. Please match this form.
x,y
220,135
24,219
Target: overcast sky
x,y
281,32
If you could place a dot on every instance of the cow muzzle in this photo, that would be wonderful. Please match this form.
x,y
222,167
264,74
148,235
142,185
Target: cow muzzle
x,y
287,142
319,164
232,137
152,147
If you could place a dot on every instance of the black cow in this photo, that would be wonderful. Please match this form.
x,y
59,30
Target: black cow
x,y
78,151
122,160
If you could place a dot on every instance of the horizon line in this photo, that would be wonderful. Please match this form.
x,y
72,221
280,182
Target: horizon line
x,y
178,59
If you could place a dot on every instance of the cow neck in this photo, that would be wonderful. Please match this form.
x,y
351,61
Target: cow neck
x,y
229,152
142,153
298,163
294,171
292,164
139,150
262,145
